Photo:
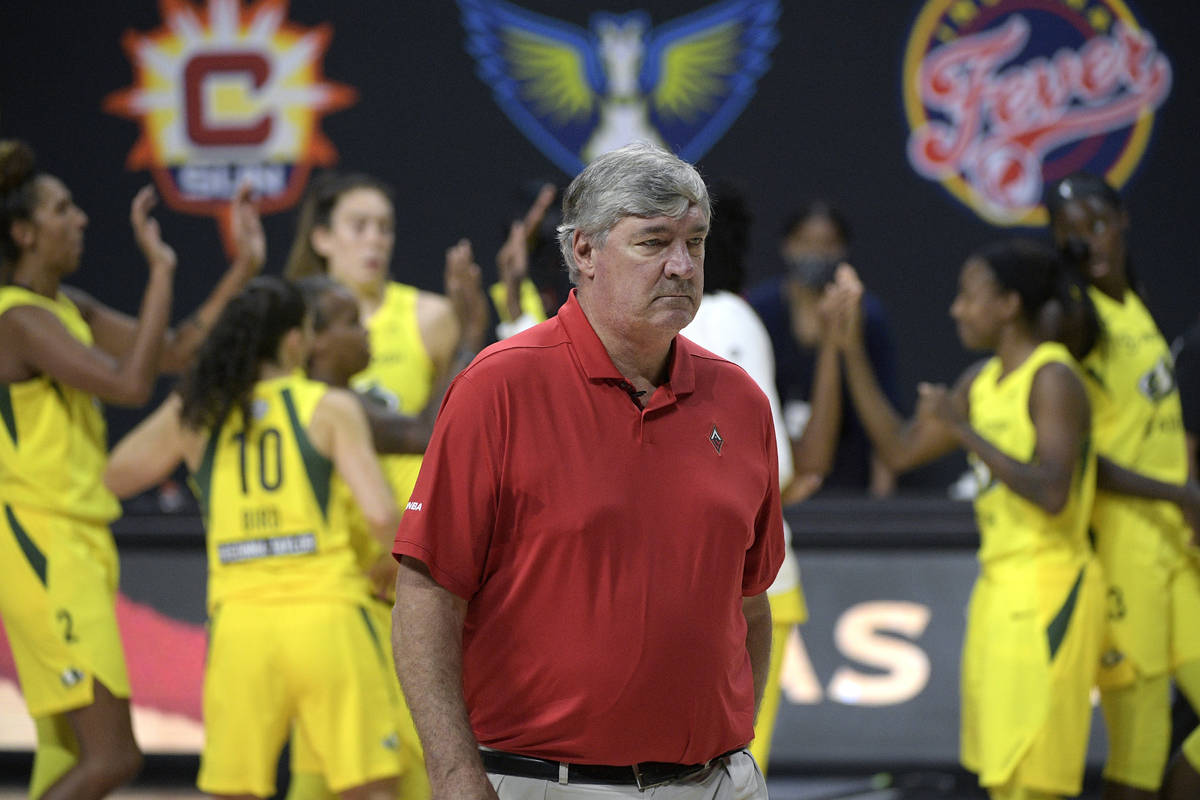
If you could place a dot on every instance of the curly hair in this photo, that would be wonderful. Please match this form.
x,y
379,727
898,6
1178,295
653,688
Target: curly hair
x,y
246,335
18,196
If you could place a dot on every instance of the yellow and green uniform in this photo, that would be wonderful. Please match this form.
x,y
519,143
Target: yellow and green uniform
x,y
292,640
58,561
1035,620
307,781
1154,582
1154,596
401,374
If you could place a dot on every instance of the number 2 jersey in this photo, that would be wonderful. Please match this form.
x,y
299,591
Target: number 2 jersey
x,y
53,445
273,533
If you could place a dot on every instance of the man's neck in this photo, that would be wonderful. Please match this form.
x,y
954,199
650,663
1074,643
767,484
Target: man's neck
x,y
641,360
326,374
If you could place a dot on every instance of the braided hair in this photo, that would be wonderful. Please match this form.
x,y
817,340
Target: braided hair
x,y
18,196
246,335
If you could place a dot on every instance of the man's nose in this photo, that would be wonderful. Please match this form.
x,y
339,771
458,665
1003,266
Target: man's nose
x,y
679,261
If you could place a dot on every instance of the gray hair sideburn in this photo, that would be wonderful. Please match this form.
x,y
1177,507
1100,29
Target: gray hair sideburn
x,y
638,180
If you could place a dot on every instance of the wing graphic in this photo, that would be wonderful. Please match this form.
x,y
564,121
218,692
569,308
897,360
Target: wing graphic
x,y
545,74
700,70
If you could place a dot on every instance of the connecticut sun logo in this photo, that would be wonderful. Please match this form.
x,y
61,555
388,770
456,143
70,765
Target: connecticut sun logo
x,y
226,94
1006,96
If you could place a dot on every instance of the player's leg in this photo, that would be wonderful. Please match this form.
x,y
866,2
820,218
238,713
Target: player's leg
x,y
57,751
764,726
247,701
376,790
1020,793
307,778
108,754
1138,720
1183,781
347,704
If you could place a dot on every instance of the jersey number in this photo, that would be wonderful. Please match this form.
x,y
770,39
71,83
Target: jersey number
x,y
270,459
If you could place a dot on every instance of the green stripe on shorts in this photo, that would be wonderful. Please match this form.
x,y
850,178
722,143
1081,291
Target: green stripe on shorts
x,y
1056,631
35,557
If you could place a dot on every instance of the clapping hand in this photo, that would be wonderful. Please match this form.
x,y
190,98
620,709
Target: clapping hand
x,y
463,288
159,254
249,241
935,405
841,308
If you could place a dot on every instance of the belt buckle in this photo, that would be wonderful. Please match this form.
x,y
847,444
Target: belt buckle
x,y
646,780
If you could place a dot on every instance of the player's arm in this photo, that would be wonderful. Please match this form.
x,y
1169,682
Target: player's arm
x,y
44,346
1061,416
1111,477
813,452
427,625
117,333
340,431
440,331
150,452
901,444
757,611
395,433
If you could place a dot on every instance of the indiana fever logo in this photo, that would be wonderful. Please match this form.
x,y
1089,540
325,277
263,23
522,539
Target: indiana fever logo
x,y
578,93
225,94
1003,96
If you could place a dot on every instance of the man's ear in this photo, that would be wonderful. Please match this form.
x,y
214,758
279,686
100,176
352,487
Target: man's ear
x,y
584,252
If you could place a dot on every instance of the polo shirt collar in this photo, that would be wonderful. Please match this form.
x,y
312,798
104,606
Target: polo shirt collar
x,y
597,364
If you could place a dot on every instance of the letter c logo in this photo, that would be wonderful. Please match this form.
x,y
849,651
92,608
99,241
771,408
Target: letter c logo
x,y
199,126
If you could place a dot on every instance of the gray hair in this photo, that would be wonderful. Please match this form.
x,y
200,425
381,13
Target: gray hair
x,y
638,180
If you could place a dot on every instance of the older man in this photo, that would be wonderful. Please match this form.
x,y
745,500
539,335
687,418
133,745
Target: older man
x,y
580,605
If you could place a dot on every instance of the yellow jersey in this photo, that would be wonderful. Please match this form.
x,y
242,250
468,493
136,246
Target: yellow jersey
x,y
1015,532
264,491
1136,411
53,439
400,375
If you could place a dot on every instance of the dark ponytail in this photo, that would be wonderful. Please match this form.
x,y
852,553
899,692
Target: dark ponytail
x,y
246,335
18,197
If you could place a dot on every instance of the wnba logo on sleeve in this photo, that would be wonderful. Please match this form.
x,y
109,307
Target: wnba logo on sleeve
x,y
1005,96
226,94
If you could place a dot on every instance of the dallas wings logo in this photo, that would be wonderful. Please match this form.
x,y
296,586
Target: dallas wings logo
x,y
579,93
1005,96
225,94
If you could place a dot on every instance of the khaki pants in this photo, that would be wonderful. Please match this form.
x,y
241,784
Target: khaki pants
x,y
738,779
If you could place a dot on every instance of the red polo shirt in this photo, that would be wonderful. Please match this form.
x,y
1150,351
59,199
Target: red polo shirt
x,y
604,549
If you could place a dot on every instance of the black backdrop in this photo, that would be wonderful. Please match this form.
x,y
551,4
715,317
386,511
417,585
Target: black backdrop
x,y
827,120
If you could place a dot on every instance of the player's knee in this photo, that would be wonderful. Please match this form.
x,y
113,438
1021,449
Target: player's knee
x,y
113,767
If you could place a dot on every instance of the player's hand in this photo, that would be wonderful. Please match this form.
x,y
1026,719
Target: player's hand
x,y
249,241
801,488
464,288
158,254
935,404
382,578
537,212
841,308
1191,510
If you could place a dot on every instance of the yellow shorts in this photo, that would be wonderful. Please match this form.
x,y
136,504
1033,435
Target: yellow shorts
x,y
58,589
412,762
320,667
1153,592
1028,667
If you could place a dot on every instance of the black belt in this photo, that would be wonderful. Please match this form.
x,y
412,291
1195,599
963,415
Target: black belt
x,y
643,775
